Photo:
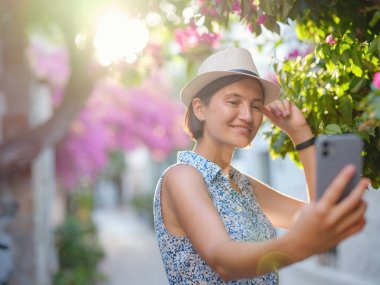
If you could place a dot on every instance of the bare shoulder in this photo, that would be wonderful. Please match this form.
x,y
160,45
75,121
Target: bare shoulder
x,y
182,176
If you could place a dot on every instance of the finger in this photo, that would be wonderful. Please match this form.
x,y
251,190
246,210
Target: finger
x,y
288,106
280,106
271,112
267,111
337,186
353,200
352,230
275,108
352,219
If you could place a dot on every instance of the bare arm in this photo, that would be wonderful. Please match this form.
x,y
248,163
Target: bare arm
x,y
290,119
279,208
316,230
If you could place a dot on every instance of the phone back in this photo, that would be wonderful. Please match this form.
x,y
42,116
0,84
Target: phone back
x,y
333,153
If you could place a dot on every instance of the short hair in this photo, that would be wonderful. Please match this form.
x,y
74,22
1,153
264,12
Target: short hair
x,y
193,126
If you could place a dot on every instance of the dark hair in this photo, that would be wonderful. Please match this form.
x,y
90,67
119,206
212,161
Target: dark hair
x,y
193,126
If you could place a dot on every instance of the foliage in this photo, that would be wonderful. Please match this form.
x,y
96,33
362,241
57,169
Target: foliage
x,y
332,85
78,249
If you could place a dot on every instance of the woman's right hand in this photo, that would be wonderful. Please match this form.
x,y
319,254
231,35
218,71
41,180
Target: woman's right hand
x,y
322,224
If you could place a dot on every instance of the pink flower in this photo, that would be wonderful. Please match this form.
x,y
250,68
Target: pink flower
x,y
294,53
116,118
330,39
272,76
236,7
253,6
210,11
190,37
376,80
250,27
186,38
261,19
50,64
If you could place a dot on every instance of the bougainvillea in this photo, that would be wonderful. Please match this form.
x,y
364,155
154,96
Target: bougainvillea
x,y
114,118
117,118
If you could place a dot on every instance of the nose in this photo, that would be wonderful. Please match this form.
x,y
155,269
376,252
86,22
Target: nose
x,y
245,113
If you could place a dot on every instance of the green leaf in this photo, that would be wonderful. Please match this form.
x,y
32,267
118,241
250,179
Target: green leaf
x,y
287,7
345,108
374,45
245,9
332,129
271,24
375,19
357,83
266,6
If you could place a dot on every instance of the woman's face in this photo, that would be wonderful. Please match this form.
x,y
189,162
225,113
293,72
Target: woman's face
x,y
234,113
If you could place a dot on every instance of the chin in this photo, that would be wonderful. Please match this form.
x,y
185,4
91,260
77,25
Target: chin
x,y
243,144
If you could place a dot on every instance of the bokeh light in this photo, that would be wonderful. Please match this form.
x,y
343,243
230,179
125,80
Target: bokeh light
x,y
119,37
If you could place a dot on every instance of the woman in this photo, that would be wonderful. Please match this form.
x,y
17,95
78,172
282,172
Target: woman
x,y
215,225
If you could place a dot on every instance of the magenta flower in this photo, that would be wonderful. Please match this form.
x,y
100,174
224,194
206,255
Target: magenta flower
x,y
116,118
272,76
236,7
190,37
294,53
187,38
210,11
330,39
376,80
261,19
50,64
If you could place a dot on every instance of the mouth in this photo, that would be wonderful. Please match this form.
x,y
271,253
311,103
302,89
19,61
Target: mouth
x,y
242,129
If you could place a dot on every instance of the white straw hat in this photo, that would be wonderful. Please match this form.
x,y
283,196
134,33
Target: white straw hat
x,y
230,61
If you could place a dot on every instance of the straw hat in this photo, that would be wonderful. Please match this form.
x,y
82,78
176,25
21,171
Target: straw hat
x,y
230,61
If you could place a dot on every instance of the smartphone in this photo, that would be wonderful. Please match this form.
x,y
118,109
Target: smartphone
x,y
334,152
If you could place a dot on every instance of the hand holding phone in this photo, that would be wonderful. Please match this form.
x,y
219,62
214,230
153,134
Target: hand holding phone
x,y
333,153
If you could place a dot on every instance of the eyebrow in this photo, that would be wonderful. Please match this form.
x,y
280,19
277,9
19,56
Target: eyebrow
x,y
238,95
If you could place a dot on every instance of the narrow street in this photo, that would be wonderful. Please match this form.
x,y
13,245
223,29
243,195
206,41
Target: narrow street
x,y
132,256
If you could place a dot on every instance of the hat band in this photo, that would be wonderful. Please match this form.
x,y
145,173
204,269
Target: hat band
x,y
245,71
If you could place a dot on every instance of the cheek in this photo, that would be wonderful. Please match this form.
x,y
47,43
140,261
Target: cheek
x,y
258,118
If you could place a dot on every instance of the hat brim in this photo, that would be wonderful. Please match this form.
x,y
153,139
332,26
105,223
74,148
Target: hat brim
x,y
271,89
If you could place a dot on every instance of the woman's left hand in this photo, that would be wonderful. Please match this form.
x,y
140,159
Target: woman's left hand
x,y
285,115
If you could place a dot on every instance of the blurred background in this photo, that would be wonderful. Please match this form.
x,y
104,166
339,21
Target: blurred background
x,y
90,117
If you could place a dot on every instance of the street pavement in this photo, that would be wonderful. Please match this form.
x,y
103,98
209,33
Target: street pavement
x,y
132,255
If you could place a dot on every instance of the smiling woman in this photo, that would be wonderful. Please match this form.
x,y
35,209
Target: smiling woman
x,y
119,38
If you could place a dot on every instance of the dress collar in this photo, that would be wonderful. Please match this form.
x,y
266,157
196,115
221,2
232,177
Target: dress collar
x,y
208,168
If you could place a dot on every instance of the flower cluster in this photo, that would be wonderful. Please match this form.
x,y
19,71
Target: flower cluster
x,y
116,118
190,37
50,64
330,39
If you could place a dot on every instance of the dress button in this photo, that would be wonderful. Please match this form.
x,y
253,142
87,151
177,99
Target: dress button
x,y
238,209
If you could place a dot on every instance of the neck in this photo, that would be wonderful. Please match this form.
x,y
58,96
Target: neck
x,y
221,156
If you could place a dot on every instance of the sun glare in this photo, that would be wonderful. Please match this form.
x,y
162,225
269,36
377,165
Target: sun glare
x,y
119,38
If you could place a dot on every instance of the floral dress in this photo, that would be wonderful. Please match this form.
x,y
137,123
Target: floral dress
x,y
240,213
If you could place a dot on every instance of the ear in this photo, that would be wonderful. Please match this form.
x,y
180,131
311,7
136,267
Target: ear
x,y
198,109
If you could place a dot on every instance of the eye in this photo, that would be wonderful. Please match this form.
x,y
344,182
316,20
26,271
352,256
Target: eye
x,y
233,102
257,107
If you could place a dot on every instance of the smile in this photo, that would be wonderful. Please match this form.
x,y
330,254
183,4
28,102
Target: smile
x,y
242,129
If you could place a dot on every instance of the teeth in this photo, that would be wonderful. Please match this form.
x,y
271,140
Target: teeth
x,y
243,129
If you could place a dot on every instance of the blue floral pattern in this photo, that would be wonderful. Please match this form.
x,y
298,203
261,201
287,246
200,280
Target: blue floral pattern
x,y
240,213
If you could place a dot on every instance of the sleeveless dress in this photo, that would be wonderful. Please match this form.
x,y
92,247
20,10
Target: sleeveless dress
x,y
240,213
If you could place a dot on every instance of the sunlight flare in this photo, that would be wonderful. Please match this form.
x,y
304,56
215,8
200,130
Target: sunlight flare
x,y
119,38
